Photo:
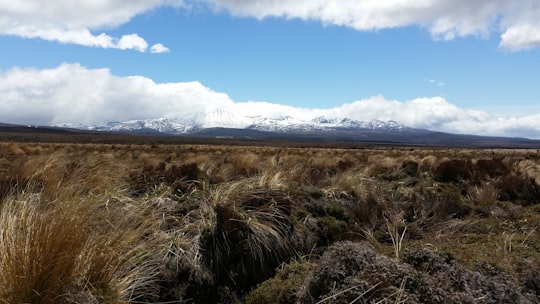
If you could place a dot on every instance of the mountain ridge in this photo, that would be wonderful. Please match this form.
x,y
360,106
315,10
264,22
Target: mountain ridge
x,y
220,123
223,124
224,119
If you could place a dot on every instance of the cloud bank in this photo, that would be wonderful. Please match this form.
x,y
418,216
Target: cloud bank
x,y
71,93
67,21
516,21
73,22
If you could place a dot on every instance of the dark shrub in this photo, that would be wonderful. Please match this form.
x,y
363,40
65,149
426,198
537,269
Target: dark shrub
x,y
353,272
187,171
443,280
519,188
531,280
283,287
366,211
180,178
453,171
348,272
491,167
428,207
426,261
410,168
330,230
343,165
340,261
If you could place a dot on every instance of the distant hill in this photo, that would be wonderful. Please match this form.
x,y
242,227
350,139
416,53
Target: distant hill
x,y
12,128
329,133
220,123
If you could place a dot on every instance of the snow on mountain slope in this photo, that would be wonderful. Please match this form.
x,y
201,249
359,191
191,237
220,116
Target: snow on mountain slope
x,y
214,118
160,125
223,118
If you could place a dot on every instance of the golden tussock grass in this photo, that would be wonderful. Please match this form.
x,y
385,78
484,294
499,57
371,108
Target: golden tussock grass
x,y
59,251
103,223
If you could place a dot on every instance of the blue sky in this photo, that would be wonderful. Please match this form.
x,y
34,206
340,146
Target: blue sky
x,y
474,68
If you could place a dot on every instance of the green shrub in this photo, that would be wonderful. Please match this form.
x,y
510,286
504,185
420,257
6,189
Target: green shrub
x,y
283,287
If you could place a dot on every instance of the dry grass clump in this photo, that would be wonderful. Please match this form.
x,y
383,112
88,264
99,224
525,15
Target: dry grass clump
x,y
483,197
54,252
530,168
236,236
179,178
251,232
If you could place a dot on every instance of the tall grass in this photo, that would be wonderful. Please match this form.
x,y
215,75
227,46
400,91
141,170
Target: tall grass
x,y
248,233
397,238
38,251
92,223
63,251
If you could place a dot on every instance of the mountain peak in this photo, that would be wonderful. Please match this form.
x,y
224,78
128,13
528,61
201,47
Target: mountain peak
x,y
217,117
220,117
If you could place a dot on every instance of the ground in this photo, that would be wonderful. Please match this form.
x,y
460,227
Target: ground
x,y
123,222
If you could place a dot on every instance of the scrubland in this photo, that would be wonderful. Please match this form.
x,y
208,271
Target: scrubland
x,y
121,223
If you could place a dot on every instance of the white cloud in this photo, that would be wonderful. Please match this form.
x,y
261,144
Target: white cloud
x,y
75,22
67,21
436,82
159,48
72,93
272,110
521,37
516,20
133,42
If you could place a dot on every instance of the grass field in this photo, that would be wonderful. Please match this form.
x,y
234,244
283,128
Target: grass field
x,y
166,223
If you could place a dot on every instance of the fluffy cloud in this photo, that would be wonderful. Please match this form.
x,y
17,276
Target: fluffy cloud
x,y
436,113
516,20
68,21
72,93
159,48
520,37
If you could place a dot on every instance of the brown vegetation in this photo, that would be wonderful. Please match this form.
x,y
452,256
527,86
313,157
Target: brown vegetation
x,y
131,223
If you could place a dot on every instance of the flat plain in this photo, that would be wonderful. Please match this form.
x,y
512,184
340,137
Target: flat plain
x,y
141,222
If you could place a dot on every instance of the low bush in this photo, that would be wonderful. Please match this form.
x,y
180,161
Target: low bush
x,y
492,167
410,167
453,171
519,188
284,287
353,272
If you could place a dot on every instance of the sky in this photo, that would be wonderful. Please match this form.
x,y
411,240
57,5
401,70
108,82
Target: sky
x,y
457,66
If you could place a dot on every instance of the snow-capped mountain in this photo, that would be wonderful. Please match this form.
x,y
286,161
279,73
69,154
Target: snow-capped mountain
x,y
222,118
214,118
158,125
222,124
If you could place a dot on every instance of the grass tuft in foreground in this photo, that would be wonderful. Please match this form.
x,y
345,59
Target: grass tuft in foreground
x,y
54,252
